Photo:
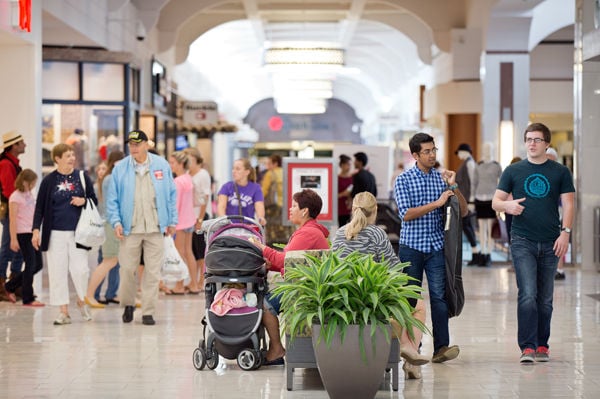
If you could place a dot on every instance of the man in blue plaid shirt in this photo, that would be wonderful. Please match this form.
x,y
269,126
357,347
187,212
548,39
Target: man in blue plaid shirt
x,y
421,192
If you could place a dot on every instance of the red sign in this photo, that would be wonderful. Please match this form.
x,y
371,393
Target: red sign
x,y
25,15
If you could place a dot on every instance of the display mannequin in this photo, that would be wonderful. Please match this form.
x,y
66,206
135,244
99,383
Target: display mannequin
x,y
465,178
487,174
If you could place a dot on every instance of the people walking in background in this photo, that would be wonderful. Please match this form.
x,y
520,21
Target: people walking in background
x,y
344,190
186,221
110,249
141,206
13,146
539,238
560,270
60,198
487,174
420,194
242,196
465,178
362,180
272,188
202,209
399,170
22,208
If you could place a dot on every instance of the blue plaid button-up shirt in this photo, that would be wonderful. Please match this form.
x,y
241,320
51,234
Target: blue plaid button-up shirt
x,y
412,189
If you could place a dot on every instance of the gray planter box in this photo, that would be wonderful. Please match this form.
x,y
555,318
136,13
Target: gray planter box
x,y
300,354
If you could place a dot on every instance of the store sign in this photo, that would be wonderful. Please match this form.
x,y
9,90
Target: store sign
x,y
200,112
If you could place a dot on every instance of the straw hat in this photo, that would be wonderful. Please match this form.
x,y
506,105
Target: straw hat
x,y
11,138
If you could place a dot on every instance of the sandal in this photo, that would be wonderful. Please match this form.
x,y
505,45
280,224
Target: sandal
x,y
165,289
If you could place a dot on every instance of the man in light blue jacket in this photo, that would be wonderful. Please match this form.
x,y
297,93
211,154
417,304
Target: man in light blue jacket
x,y
141,207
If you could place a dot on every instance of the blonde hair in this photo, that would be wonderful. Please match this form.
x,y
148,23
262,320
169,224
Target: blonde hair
x,y
181,158
364,208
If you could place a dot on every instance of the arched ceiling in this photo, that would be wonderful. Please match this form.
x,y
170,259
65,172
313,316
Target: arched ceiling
x,y
388,44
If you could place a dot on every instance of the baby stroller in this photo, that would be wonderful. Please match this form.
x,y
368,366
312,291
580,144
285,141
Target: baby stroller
x,y
232,261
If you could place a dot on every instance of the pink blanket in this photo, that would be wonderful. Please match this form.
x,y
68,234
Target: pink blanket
x,y
227,299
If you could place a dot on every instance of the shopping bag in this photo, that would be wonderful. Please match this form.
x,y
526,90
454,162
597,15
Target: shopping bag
x,y
174,268
90,227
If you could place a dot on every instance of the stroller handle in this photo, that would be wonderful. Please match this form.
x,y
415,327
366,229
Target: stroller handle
x,y
213,224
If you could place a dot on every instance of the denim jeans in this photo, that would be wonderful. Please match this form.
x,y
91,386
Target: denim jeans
x,y
434,265
6,254
535,266
113,281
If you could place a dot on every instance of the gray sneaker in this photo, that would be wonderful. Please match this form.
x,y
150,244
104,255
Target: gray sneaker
x,y
62,319
542,354
85,312
445,353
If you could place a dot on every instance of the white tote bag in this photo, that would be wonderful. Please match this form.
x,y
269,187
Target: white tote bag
x,y
90,227
174,268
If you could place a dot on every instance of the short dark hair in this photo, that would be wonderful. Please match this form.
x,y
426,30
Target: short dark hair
x,y
310,200
344,159
275,159
538,127
362,158
415,141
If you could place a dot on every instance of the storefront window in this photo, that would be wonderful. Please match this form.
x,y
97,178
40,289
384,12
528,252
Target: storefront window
x,y
60,80
103,82
93,130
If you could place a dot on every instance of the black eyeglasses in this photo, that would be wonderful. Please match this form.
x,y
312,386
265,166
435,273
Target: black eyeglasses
x,y
427,152
536,140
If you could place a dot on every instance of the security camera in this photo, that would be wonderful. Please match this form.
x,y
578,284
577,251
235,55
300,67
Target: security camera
x,y
140,31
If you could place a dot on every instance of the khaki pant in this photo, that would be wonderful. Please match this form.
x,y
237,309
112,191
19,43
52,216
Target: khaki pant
x,y
130,252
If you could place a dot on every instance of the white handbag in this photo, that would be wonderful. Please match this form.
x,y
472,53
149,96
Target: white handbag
x,y
90,227
174,268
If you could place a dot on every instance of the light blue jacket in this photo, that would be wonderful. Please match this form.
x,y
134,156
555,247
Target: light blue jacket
x,y
121,193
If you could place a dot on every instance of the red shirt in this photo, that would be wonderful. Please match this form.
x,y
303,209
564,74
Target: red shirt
x,y
8,174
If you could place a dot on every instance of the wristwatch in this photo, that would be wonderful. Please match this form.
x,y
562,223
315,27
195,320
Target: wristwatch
x,y
566,230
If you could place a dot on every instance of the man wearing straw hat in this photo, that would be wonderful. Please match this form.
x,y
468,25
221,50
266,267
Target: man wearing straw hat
x,y
13,145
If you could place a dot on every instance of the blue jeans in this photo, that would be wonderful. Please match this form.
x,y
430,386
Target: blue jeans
x,y
535,266
434,265
113,281
6,254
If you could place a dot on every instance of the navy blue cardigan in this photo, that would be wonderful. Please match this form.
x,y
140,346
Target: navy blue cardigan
x,y
43,206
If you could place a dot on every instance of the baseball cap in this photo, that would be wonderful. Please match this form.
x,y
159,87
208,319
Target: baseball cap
x,y
137,136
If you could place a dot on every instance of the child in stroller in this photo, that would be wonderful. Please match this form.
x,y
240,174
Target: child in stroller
x,y
235,286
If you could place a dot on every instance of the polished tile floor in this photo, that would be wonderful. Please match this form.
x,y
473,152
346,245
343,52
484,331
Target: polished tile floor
x,y
105,358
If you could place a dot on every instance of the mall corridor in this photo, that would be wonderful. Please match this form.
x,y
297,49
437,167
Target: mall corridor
x,y
105,358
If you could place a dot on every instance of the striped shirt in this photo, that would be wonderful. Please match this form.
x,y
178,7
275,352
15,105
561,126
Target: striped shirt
x,y
371,240
413,189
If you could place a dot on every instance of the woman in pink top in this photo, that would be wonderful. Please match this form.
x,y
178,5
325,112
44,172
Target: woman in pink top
x,y
187,219
21,206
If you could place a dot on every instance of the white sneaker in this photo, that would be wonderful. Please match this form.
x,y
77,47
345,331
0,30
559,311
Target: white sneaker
x,y
62,319
85,312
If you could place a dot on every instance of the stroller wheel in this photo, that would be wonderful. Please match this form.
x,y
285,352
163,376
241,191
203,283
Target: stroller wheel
x,y
248,359
199,359
212,359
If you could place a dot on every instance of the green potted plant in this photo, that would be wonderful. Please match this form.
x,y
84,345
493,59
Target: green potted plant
x,y
350,302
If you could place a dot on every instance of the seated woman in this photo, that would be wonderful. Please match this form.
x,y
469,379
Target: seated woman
x,y
306,206
362,235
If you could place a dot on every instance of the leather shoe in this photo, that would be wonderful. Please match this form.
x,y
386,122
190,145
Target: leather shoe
x,y
413,357
148,320
128,314
445,353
